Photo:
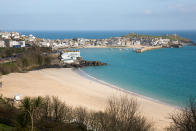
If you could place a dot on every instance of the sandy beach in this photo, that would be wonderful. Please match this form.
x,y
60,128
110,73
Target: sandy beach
x,y
77,90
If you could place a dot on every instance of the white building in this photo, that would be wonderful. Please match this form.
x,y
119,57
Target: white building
x,y
22,43
2,44
5,35
137,42
14,43
164,41
45,44
70,56
15,35
31,37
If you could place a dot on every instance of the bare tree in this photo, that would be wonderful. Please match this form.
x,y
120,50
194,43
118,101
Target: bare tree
x,y
185,120
121,114
61,111
80,114
47,108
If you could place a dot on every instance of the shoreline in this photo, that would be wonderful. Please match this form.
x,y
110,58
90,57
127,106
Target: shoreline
x,y
77,90
86,75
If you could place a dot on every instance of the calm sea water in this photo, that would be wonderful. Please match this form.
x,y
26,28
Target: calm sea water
x,y
102,34
168,75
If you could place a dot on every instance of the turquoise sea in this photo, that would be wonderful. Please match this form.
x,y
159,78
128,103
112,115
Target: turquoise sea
x,y
168,75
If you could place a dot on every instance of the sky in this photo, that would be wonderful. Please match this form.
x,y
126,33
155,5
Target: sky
x,y
68,15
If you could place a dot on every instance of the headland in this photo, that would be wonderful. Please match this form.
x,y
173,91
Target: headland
x,y
132,40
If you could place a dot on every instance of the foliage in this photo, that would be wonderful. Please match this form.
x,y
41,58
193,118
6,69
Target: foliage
x,y
30,107
4,127
6,68
121,114
185,120
171,37
49,113
7,52
23,59
133,35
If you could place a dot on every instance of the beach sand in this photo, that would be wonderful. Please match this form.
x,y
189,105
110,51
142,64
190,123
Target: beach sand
x,y
77,90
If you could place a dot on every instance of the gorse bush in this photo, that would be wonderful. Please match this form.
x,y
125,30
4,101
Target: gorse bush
x,y
49,113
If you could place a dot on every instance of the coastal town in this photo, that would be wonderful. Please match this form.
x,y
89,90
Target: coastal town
x,y
17,40
97,65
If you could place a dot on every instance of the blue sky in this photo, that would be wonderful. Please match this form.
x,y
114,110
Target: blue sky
x,y
98,14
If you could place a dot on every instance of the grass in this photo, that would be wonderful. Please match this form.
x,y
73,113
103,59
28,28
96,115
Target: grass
x,y
5,127
171,37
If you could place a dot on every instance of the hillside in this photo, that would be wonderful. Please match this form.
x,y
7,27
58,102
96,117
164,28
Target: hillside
x,y
172,37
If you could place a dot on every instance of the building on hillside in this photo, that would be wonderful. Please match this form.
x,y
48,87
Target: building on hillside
x,y
16,44
13,44
70,56
5,35
45,44
137,42
31,37
15,35
22,43
2,44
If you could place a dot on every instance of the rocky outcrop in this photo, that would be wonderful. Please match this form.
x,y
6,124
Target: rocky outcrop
x,y
84,63
173,46
91,63
79,64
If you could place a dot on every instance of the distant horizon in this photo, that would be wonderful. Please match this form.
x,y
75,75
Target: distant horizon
x,y
103,34
91,30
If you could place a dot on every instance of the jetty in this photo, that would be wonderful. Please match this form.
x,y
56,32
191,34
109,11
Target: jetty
x,y
147,48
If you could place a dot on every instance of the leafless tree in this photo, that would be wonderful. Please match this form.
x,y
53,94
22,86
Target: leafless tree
x,y
185,120
61,111
121,114
80,115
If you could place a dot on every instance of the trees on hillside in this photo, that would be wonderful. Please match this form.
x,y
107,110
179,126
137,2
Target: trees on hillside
x,y
31,106
46,113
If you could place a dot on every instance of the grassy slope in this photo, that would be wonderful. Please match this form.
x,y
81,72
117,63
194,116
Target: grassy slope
x,y
171,37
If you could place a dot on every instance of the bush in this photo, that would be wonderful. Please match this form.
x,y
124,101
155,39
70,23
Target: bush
x,y
24,59
25,62
121,114
6,68
185,120
47,60
8,112
49,113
